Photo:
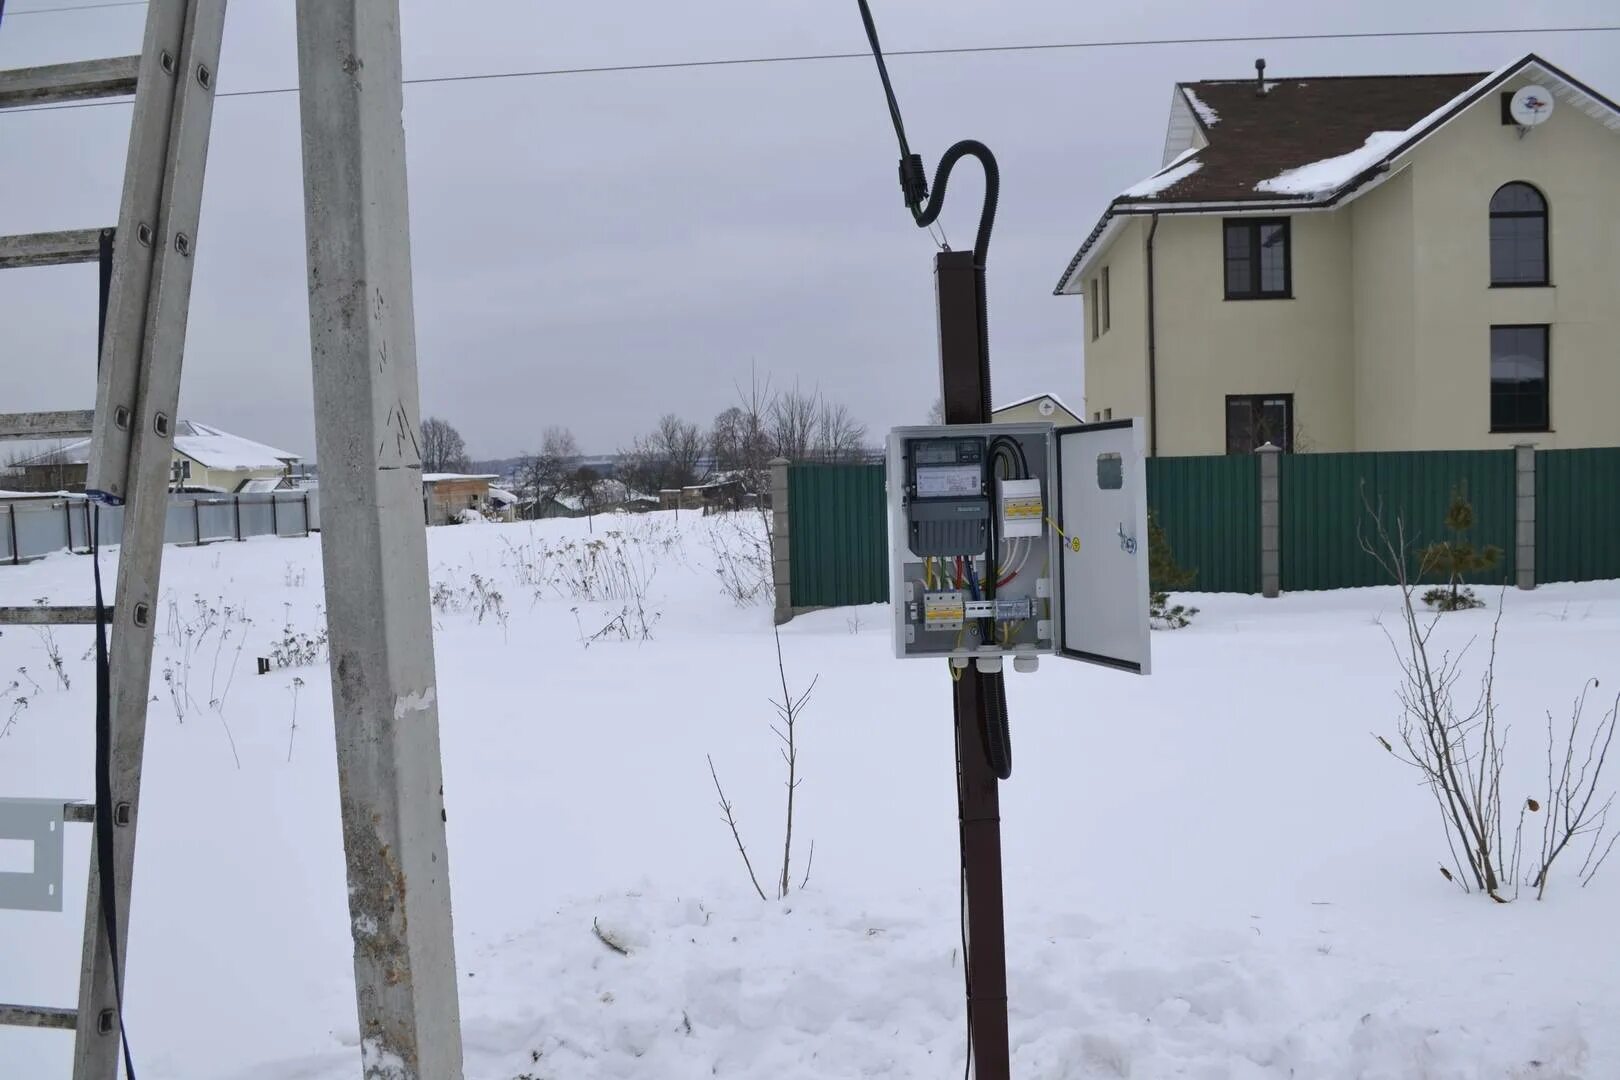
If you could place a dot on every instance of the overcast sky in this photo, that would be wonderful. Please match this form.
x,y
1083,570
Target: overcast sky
x,y
594,250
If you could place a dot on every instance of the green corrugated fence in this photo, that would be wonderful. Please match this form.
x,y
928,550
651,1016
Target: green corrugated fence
x,y
1578,514
1209,509
1322,506
838,535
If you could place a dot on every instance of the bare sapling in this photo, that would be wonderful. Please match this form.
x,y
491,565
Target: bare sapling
x,y
788,712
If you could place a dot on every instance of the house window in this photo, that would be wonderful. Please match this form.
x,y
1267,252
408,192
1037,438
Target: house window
x,y
1258,265
1252,420
1096,312
1518,236
1519,379
1107,303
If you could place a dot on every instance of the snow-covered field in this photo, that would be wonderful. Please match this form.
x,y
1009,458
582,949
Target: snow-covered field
x,y
1212,872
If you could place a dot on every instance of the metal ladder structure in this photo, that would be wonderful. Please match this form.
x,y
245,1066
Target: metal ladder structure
x,y
373,542
146,262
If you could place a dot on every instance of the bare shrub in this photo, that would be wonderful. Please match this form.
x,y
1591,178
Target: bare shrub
x,y
1460,751
740,542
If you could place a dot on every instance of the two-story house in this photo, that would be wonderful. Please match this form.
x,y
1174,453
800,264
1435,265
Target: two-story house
x,y
1402,262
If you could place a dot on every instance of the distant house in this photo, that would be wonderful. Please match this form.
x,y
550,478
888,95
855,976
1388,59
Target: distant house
x,y
446,496
1034,409
1391,262
206,459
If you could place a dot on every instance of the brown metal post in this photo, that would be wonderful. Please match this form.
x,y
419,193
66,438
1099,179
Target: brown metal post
x,y
16,552
196,521
67,523
306,513
964,363
275,521
236,501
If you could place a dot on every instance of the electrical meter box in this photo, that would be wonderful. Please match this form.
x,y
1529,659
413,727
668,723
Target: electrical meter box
x,y
1020,540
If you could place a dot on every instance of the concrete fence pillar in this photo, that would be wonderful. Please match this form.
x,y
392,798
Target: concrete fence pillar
x,y
781,557
1524,515
1270,521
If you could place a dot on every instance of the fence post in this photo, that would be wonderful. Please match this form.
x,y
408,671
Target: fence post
x,y
1524,515
1270,521
16,552
67,524
196,521
236,501
275,521
781,557
306,513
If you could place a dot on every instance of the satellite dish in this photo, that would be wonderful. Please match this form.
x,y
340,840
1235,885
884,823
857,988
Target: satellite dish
x,y
1531,105
1046,408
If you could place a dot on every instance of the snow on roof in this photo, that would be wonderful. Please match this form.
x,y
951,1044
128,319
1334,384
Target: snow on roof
x,y
1172,174
1264,156
435,477
502,496
1323,176
1206,114
210,447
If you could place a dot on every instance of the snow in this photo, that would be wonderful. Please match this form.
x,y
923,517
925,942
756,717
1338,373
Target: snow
x,y
1205,113
1332,173
435,477
1211,872
1179,169
210,447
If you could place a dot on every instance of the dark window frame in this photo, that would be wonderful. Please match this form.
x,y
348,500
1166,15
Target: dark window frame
x,y
1546,380
1107,302
1545,216
1252,226
1260,400
1096,310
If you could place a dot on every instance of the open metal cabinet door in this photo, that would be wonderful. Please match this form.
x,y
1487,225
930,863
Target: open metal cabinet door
x,y
1103,574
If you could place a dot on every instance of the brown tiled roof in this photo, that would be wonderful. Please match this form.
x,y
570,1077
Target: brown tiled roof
x,y
1297,122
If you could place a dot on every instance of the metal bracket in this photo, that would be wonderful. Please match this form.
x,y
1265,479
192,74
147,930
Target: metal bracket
x,y
37,822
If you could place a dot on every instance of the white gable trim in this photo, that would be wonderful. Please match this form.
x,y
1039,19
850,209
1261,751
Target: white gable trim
x,y
1563,86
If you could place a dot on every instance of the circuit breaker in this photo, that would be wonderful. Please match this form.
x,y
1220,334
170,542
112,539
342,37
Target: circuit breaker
x,y
1020,540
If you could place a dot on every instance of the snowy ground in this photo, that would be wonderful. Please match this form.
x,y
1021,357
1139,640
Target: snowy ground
x,y
1212,872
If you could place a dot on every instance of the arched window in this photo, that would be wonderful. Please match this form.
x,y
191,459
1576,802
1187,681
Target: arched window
x,y
1518,235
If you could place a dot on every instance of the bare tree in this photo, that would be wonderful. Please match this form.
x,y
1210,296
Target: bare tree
x,y
794,416
839,437
443,449
545,475
671,456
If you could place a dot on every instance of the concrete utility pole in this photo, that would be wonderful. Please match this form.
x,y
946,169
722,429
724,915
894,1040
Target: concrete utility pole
x,y
373,542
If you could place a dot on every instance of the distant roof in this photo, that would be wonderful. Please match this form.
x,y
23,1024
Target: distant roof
x,y
210,447
1307,142
435,477
1033,397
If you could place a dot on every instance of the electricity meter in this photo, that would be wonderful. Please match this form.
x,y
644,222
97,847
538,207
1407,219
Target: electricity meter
x,y
1019,540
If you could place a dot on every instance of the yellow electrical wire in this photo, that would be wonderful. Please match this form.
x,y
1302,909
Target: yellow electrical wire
x,y
1073,544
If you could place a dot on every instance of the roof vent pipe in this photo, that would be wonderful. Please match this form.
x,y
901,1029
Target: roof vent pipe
x,y
1260,77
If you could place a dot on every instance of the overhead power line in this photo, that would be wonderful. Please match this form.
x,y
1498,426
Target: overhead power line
x,y
14,12
800,58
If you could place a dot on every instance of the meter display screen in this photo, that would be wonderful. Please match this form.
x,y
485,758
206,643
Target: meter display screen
x,y
946,481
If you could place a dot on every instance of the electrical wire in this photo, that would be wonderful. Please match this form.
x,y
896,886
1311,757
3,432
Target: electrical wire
x,y
76,7
801,58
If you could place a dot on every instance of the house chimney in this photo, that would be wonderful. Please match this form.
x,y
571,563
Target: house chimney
x,y
1260,77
